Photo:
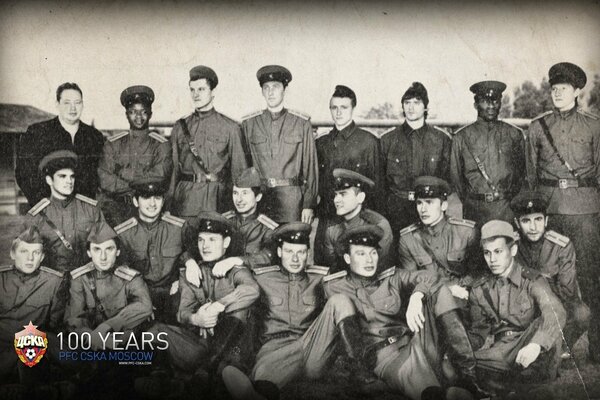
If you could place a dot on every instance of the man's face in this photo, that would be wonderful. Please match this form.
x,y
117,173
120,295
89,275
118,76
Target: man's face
x,y
532,226
62,182
27,256
488,109
347,200
564,95
70,106
202,94
273,92
104,255
244,200
212,246
431,210
498,255
414,109
362,260
293,256
149,207
138,116
341,110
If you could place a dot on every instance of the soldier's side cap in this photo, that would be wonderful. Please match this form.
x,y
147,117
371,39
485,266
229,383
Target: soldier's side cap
x,y
276,73
529,202
292,232
566,72
428,187
58,160
204,72
489,89
149,186
31,235
100,233
344,179
138,93
496,228
364,235
249,178
344,91
211,222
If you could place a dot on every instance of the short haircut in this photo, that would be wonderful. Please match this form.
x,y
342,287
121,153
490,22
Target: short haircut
x,y
67,86
211,83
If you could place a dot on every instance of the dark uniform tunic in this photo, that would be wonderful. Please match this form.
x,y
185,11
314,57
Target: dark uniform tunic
x,y
249,239
500,147
283,151
204,183
45,137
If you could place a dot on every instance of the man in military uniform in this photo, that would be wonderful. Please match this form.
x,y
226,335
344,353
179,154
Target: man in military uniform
x,y
64,132
405,351
443,245
562,163
517,310
411,150
488,158
64,219
553,255
350,193
282,147
131,155
152,245
207,152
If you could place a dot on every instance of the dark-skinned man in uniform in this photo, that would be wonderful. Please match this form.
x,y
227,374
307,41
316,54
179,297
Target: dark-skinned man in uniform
x,y
131,155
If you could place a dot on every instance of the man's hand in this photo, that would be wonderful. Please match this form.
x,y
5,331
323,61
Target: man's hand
x,y
307,215
193,274
528,354
174,288
216,307
222,267
459,292
204,318
414,312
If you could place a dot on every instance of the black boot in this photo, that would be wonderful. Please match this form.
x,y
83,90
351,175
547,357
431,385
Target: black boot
x,y
240,387
363,362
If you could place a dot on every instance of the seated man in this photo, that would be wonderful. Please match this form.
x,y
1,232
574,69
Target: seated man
x,y
515,308
553,255
152,245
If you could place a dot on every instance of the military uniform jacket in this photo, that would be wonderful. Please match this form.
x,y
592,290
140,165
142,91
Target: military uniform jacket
x,y
284,148
513,304
132,155
576,135
34,297
120,292
553,256
74,218
289,302
153,248
379,300
409,153
501,149
365,217
448,248
236,291
249,241
218,141
351,148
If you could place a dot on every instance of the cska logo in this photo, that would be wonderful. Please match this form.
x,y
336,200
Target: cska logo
x,y
30,345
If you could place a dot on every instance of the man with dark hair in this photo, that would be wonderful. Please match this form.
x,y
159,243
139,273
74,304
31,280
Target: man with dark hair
x,y
132,155
65,132
207,152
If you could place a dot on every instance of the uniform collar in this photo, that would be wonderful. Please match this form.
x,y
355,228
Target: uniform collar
x,y
408,130
514,276
437,228
148,225
62,203
346,132
244,220
276,116
139,133
23,277
361,280
565,114
487,124
204,114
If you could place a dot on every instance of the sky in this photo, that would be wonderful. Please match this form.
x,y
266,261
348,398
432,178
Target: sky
x,y
376,48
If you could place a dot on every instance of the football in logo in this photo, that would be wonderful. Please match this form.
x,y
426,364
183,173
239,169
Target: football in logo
x,y
30,345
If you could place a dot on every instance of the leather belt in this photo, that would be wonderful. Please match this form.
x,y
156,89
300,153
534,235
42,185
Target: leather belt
x,y
384,343
488,197
273,182
279,335
569,183
502,334
197,178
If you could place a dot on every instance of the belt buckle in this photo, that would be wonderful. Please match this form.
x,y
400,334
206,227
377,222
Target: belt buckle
x,y
509,333
271,182
411,196
392,339
489,197
563,184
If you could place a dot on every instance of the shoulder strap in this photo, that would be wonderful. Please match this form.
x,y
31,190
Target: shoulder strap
x,y
158,137
51,271
408,229
43,203
550,140
315,269
122,227
118,136
266,221
86,199
5,268
588,114
463,222
557,238
387,273
77,272
264,270
299,114
126,273
251,115
337,275
229,214
173,220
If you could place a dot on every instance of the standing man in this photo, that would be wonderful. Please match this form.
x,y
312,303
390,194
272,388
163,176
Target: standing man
x,y
131,155
563,163
410,150
283,150
207,152
488,158
65,132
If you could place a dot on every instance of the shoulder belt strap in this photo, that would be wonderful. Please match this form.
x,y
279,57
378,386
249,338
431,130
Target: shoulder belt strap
x,y
229,214
550,140
268,222
557,238
5,268
167,217
86,199
542,115
43,203
387,273
337,275
252,115
463,222
157,136
445,132
122,227
315,269
118,136
51,271
588,114
264,270
76,273
126,273
408,229
299,114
